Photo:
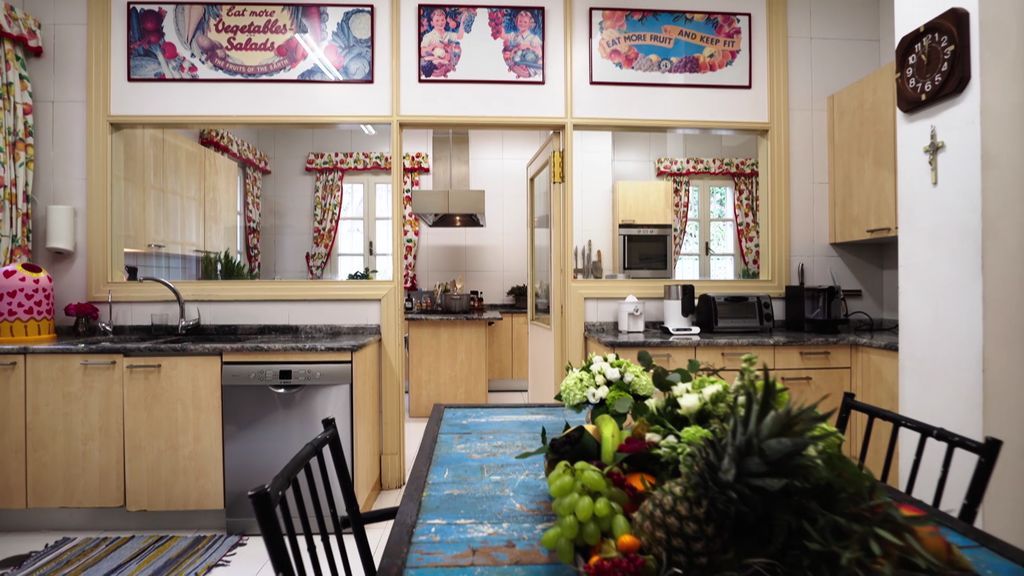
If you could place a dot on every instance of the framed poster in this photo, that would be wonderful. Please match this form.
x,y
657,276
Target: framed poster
x,y
176,41
670,48
455,45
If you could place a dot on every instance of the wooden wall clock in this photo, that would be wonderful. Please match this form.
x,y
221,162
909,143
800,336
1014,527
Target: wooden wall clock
x,y
934,61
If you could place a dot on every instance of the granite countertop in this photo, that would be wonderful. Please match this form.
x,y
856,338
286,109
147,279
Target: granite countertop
x,y
489,315
507,308
210,340
608,335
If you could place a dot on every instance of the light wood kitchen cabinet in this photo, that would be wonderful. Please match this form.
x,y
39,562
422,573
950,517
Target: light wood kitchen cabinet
x,y
447,364
876,382
12,431
156,230
667,358
520,347
74,427
648,202
366,423
730,357
183,193
499,349
127,190
220,201
173,449
826,387
862,159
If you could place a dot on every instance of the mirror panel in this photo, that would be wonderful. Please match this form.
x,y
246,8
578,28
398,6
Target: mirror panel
x,y
179,203
678,204
540,239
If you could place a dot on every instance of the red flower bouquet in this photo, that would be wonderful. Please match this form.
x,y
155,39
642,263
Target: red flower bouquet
x,y
82,310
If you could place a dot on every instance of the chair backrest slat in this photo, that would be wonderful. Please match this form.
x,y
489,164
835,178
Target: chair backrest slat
x,y
318,513
274,508
987,452
293,540
890,450
916,466
307,532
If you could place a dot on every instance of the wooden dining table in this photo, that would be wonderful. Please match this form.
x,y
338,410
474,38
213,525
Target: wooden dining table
x,y
471,507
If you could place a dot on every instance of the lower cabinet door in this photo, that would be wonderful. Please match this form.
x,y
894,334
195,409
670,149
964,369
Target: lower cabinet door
x,y
520,347
74,430
12,431
809,386
174,453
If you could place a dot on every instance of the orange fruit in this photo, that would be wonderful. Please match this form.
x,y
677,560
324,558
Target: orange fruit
x,y
628,544
594,559
640,481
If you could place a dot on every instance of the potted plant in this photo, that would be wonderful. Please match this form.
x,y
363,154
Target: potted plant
x,y
518,293
366,274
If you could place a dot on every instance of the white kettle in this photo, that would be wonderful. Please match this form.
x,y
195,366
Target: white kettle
x,y
631,315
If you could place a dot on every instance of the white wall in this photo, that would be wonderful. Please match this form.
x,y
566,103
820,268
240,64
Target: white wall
x,y
940,256
492,258
1002,123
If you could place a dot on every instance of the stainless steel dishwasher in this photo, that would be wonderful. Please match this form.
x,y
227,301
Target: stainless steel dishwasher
x,y
270,411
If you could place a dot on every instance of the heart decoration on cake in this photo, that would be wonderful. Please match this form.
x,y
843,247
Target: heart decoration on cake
x,y
26,316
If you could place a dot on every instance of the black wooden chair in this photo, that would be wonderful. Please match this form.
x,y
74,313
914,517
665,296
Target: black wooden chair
x,y
987,452
274,507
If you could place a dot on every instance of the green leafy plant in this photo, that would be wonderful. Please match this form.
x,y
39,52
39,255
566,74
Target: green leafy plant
x,y
225,266
517,291
366,274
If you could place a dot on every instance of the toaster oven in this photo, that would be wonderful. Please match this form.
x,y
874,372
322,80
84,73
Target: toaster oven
x,y
734,313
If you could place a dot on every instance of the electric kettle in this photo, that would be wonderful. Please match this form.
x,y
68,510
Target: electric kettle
x,y
631,315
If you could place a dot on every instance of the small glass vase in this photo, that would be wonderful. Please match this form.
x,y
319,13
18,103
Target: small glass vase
x,y
83,327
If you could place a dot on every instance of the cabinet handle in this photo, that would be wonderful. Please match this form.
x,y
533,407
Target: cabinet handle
x,y
97,363
879,229
143,366
815,353
665,355
8,364
797,378
156,245
728,354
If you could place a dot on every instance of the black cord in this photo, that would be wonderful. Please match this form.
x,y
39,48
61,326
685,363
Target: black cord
x,y
871,321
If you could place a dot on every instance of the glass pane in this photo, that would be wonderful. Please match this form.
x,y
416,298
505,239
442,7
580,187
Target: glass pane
x,y
382,203
693,210
383,266
382,239
721,202
688,268
723,237
722,268
352,201
350,237
691,240
540,232
348,265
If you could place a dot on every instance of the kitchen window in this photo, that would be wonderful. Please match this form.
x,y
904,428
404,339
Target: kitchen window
x,y
709,244
365,226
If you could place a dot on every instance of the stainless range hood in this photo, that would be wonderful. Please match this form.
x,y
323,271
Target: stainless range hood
x,y
450,204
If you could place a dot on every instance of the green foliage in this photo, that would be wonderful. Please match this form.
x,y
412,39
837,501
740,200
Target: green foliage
x,y
225,266
517,291
366,274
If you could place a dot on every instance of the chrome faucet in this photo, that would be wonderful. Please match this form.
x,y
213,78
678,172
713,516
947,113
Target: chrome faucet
x,y
107,328
183,324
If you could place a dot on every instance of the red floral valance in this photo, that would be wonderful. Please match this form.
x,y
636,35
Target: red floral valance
x,y
235,148
706,166
364,162
19,26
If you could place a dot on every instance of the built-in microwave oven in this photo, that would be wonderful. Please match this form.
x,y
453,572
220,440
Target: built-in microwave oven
x,y
645,250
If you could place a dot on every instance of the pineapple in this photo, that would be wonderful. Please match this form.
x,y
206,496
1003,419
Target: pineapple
x,y
707,519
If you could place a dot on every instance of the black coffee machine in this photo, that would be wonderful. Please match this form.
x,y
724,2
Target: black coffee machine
x,y
816,309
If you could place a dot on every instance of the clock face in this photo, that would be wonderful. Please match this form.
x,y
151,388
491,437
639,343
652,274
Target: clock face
x,y
933,62
930,62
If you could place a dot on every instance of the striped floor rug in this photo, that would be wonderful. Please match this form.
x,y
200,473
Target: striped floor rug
x,y
132,556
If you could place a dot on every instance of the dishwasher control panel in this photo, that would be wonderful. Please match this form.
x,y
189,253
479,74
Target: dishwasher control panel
x,y
262,374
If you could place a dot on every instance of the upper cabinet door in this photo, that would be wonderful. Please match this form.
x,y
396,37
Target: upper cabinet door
x,y
862,159
643,202
172,431
183,193
220,199
75,430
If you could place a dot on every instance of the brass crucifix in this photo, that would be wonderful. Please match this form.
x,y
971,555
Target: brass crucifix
x,y
932,150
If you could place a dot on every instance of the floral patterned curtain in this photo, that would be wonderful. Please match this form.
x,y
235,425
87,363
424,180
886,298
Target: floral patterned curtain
x,y
681,207
255,164
19,33
744,173
326,211
324,232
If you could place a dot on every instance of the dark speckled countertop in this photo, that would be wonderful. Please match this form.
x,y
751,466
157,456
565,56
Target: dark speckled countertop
x,y
488,315
211,340
608,335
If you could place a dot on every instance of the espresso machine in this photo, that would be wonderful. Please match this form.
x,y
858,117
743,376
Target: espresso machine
x,y
679,308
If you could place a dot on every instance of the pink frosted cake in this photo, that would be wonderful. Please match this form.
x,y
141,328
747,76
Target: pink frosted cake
x,y
26,304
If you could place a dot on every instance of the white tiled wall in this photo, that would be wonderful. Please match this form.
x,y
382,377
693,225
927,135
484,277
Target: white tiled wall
x,y
832,43
492,258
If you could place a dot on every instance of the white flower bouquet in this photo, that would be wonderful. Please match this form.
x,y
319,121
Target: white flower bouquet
x,y
605,384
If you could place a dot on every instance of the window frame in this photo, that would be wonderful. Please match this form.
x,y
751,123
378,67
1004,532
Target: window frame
x,y
704,221
369,183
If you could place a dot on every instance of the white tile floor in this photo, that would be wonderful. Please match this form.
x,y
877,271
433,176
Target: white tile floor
x,y
251,559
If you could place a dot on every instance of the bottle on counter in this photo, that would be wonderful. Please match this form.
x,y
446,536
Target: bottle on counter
x,y
409,306
474,300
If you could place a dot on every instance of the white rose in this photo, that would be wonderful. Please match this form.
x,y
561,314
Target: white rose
x,y
602,392
710,391
652,437
682,388
627,377
612,374
597,368
654,404
611,357
592,396
599,380
689,403
670,439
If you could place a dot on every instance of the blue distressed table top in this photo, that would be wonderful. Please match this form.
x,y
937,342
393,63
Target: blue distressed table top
x,y
483,512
